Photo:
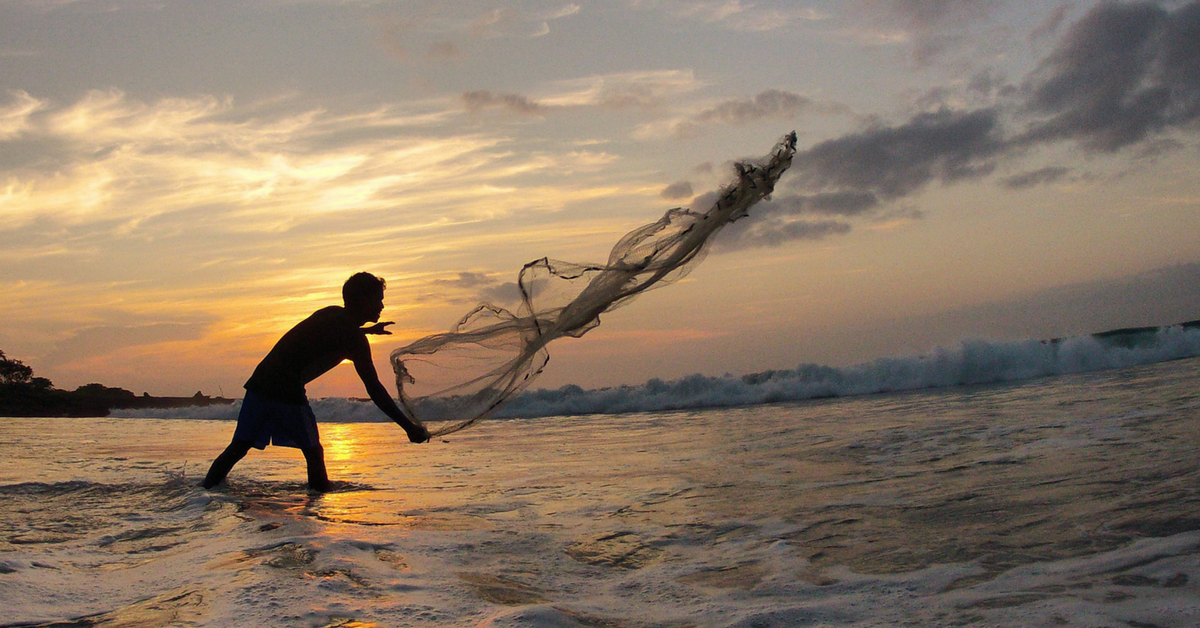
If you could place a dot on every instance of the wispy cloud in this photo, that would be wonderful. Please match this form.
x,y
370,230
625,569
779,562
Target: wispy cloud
x,y
444,30
770,104
249,216
928,29
736,14
623,90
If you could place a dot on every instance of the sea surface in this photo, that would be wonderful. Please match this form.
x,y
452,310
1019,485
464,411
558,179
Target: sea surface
x,y
1071,500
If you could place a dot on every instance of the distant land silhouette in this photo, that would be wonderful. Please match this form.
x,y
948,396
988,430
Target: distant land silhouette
x,y
23,395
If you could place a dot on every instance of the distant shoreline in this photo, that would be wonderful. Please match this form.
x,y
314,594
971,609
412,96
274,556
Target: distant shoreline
x,y
197,400
96,400
90,401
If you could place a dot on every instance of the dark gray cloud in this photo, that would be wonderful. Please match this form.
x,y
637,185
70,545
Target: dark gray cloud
x,y
797,217
481,100
679,189
473,287
1125,71
1122,74
772,103
892,162
828,203
771,231
857,174
502,293
1036,177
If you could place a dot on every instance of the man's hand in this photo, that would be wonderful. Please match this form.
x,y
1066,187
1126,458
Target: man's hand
x,y
417,433
379,329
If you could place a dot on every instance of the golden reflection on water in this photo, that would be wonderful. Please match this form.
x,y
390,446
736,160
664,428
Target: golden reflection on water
x,y
343,443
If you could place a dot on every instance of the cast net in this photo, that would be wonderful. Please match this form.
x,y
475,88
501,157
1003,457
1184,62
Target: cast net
x,y
466,374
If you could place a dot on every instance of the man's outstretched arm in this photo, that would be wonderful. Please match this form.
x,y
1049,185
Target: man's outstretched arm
x,y
375,389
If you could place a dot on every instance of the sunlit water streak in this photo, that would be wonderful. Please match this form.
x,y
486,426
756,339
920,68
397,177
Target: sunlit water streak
x,y
1066,501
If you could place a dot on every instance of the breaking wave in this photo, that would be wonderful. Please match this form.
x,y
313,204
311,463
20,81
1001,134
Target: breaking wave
x,y
970,362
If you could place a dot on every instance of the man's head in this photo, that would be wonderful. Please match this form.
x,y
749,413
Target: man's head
x,y
363,295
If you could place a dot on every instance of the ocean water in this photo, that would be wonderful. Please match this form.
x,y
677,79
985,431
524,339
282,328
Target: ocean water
x,y
1061,501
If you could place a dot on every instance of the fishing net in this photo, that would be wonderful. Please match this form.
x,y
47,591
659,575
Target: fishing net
x,y
462,376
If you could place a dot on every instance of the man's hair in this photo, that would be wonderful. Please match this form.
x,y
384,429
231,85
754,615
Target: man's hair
x,y
362,285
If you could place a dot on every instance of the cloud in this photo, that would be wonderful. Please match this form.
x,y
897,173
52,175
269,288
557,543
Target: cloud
x,y
472,287
622,90
15,117
780,220
774,231
924,15
505,293
770,104
482,100
931,28
1051,24
619,91
1120,75
443,29
466,280
829,203
1036,177
521,21
252,214
892,162
110,158
737,15
859,174
1124,72
679,189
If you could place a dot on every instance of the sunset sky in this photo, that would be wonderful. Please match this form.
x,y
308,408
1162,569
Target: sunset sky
x,y
180,182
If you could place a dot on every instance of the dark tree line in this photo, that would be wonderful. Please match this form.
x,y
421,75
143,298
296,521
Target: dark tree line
x,y
23,394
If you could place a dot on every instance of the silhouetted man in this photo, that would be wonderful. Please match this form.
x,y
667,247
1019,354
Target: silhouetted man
x,y
275,409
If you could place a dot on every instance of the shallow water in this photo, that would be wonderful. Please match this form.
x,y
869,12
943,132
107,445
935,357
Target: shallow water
x,y
1069,501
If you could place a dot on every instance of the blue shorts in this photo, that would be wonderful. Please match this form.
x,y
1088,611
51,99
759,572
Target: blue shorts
x,y
264,421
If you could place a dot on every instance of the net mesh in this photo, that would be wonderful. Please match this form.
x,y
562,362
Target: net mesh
x,y
463,376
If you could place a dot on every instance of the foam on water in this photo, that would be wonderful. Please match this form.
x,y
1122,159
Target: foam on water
x,y
1065,501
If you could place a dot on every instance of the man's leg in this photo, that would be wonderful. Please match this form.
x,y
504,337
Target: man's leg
x,y
318,479
220,467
